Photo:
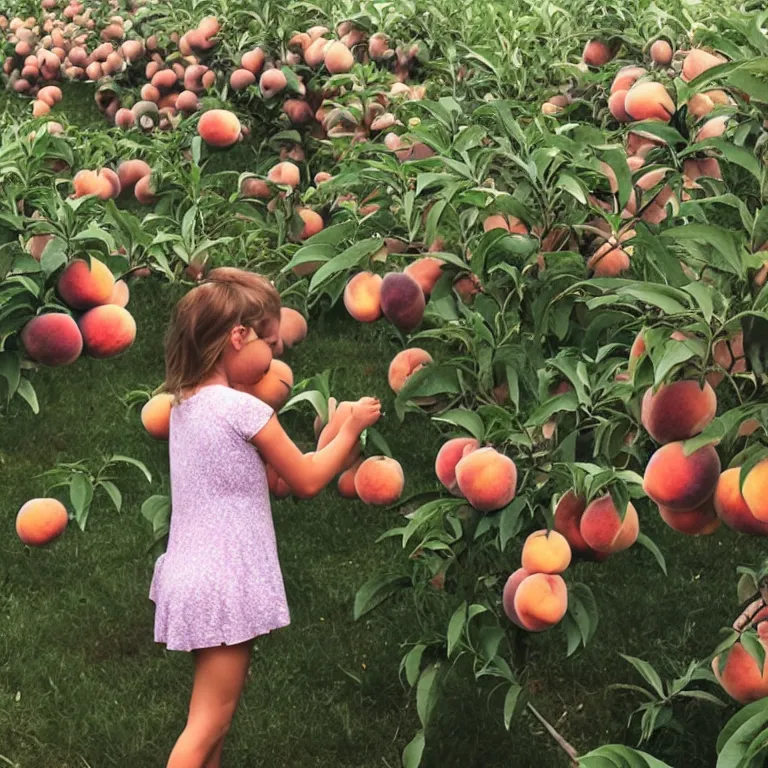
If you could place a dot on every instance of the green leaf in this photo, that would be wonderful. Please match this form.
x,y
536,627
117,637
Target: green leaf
x,y
26,391
675,353
333,235
717,237
375,591
744,715
702,293
753,647
114,493
412,663
10,370
619,756
510,703
468,420
426,693
54,255
320,252
566,402
582,607
455,628
81,495
413,751
510,523
740,741
647,672
157,510
134,462
345,260
649,544
94,232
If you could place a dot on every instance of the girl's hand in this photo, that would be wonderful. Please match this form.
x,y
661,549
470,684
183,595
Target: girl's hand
x,y
365,412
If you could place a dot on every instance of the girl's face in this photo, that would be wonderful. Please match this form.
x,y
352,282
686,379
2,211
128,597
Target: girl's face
x,y
248,355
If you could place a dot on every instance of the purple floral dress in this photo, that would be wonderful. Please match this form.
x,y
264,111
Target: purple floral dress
x,y
219,583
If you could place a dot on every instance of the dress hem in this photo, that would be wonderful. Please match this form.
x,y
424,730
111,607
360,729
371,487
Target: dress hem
x,y
217,644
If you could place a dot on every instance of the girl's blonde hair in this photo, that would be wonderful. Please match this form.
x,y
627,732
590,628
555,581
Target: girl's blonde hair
x,y
202,321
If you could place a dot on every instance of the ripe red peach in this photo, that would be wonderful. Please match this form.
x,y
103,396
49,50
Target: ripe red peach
x,y
649,101
698,62
144,191
404,364
487,479
546,552
83,285
741,677
541,601
604,531
219,128
681,482
52,339
40,521
362,297
379,480
597,53
130,171
313,223
678,411
241,79
338,58
285,173
107,330
755,490
402,301
511,224
272,82
700,521
568,513
661,53
293,326
732,508
346,482
426,272
156,415
508,595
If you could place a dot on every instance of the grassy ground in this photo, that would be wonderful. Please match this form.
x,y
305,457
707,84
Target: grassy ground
x,y
81,681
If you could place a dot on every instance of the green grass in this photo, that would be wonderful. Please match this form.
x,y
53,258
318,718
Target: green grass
x,y
81,680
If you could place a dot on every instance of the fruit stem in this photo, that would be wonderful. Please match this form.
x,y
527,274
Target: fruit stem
x,y
561,742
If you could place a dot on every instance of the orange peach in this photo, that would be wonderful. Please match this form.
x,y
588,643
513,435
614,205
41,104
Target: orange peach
x,y
144,191
626,77
40,521
241,79
404,364
156,415
661,53
426,272
649,101
604,531
293,326
681,482
732,508
609,260
449,455
88,182
362,297
52,339
402,301
107,330
741,677
274,388
285,173
700,521
130,171
219,128
616,107
379,480
257,188
346,482
678,411
83,285
698,62
487,479
755,490
541,601
508,595
338,58
313,223
253,60
511,224
546,552
120,294
272,82
568,513
597,53
636,351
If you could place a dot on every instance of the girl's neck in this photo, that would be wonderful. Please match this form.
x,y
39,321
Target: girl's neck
x,y
216,377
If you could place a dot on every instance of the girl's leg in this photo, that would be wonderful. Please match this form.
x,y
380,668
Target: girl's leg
x,y
214,761
219,678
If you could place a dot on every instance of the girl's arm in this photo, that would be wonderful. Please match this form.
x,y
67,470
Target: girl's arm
x,y
305,474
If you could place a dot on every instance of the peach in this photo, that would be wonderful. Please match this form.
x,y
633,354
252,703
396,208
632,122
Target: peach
x,y
700,521
404,364
241,79
755,490
52,339
293,326
508,595
541,601
616,103
274,388
741,677
568,513
107,330
113,179
144,191
346,483
88,182
402,301
609,260
257,188
187,102
426,272
636,351
272,82
338,58
246,366
298,111
253,60
597,53
649,101
40,521
313,223
661,53
546,552
50,94
678,411
379,480
700,105
120,294
681,482
512,224
83,285
449,455
487,479
626,77
130,171
732,508
604,531
713,128
362,297
697,62
219,128
156,415
286,174
124,119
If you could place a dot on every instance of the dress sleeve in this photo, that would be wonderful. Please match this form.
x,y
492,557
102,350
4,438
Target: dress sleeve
x,y
249,415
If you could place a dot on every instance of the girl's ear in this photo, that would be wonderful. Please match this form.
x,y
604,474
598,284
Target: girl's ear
x,y
237,337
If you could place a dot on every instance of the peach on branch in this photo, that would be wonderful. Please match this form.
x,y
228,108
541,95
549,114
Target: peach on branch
x,y
83,285
546,552
362,297
156,415
540,601
426,271
731,506
219,128
755,490
603,529
678,411
681,482
379,480
449,455
402,301
700,521
404,364
107,330
293,326
52,339
487,479
649,101
741,678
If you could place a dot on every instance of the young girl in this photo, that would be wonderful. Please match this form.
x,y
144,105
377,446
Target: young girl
x,y
219,585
